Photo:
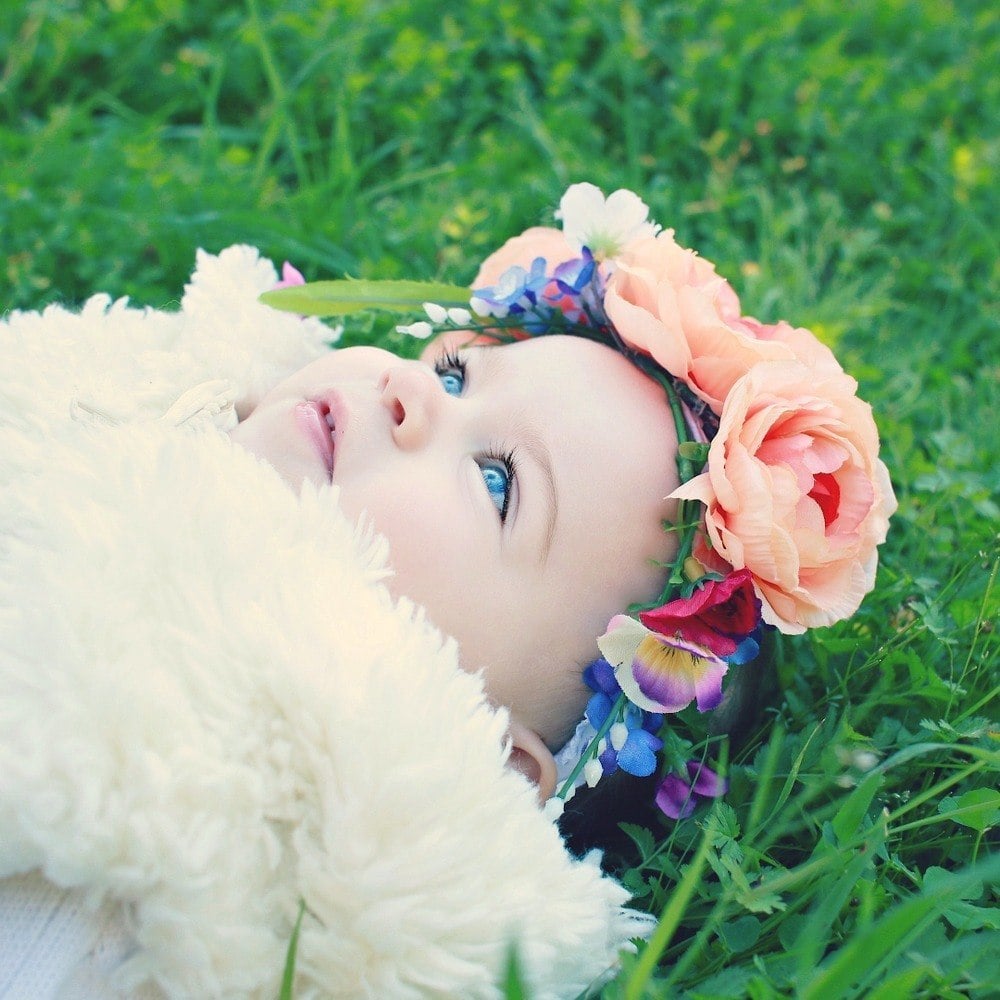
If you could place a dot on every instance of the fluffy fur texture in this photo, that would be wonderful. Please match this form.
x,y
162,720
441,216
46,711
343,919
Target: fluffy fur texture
x,y
210,709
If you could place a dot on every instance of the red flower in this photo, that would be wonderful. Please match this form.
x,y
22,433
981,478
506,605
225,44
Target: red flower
x,y
718,616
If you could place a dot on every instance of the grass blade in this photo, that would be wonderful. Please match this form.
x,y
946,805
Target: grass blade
x,y
288,975
846,973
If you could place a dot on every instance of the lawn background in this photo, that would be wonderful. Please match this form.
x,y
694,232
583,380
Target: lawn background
x,y
838,162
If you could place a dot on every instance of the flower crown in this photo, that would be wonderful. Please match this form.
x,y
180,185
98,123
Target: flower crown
x,y
782,499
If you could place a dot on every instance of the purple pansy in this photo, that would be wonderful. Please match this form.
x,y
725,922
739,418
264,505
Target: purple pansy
x,y
676,794
661,673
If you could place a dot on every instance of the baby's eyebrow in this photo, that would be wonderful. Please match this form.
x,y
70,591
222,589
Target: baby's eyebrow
x,y
492,367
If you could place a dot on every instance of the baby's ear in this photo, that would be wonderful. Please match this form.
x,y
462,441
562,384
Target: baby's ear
x,y
531,757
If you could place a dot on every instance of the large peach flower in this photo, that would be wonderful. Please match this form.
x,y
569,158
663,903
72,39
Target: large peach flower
x,y
803,343
667,301
794,491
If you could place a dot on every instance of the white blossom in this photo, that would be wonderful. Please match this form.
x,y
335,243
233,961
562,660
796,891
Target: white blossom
x,y
459,316
483,308
605,225
436,313
618,734
592,772
553,808
421,330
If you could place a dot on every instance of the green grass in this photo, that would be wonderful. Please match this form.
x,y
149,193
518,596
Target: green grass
x,y
836,159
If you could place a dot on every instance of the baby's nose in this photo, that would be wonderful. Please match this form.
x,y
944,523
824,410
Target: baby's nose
x,y
412,394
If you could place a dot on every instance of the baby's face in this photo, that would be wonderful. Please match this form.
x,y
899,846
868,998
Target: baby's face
x,y
519,487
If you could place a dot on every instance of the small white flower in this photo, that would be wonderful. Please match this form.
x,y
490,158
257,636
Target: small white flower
x,y
421,330
602,746
592,772
865,760
483,308
436,313
460,317
605,225
618,734
553,808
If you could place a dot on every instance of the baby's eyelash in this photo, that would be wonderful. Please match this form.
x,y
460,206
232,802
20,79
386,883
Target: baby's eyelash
x,y
449,360
507,459
451,368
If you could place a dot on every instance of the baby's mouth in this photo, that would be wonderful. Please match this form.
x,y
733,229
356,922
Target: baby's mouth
x,y
316,420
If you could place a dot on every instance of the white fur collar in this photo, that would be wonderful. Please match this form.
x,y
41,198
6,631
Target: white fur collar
x,y
210,709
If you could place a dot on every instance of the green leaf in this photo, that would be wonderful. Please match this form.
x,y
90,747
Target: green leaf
x,y
847,823
902,984
348,295
859,960
831,898
740,934
694,451
976,955
642,972
962,915
513,980
941,879
979,809
641,837
288,976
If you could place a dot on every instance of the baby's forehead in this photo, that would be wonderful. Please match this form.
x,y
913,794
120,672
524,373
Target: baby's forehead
x,y
551,353
585,365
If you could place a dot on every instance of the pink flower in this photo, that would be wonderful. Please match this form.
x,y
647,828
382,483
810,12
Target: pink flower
x,y
719,615
803,343
794,492
290,276
659,673
676,796
669,302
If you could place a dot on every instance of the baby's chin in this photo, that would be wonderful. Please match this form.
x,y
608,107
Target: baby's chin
x,y
295,470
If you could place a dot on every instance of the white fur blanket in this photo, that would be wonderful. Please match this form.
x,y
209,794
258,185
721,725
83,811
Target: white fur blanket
x,y
210,709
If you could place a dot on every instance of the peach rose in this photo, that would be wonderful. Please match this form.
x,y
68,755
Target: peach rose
x,y
667,301
803,343
794,491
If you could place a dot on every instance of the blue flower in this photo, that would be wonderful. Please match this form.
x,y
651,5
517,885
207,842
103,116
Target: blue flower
x,y
632,743
572,276
517,291
577,290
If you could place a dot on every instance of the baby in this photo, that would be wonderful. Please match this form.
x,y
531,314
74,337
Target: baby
x,y
218,697
634,396
521,490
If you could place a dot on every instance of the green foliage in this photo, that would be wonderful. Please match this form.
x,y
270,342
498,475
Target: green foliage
x,y
288,973
837,160
352,295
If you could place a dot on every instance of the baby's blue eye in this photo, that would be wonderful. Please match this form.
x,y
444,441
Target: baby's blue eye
x,y
452,382
450,370
497,479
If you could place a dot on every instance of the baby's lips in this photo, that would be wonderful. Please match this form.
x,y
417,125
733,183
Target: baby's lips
x,y
315,420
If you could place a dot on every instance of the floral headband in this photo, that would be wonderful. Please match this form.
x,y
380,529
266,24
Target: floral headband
x,y
782,499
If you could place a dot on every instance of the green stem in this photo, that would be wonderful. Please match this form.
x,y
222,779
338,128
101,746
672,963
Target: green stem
x,y
591,751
